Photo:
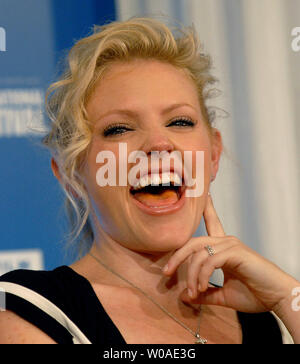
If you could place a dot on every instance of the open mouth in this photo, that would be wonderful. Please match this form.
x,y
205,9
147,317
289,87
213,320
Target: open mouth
x,y
158,191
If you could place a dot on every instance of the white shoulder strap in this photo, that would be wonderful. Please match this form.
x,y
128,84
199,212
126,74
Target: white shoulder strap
x,y
48,307
286,336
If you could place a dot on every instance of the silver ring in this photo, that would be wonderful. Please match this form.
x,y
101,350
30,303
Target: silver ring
x,y
210,250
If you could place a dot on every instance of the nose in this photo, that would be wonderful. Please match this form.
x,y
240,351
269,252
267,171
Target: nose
x,y
157,141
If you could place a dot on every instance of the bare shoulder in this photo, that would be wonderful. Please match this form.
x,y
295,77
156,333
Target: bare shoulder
x,y
15,330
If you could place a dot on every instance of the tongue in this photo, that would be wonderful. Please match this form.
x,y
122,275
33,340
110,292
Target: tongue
x,y
167,197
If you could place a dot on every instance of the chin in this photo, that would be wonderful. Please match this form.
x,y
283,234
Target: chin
x,y
167,243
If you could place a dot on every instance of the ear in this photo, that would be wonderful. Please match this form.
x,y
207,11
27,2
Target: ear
x,y
216,152
55,170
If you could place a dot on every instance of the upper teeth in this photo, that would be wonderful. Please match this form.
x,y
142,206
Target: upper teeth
x,y
155,179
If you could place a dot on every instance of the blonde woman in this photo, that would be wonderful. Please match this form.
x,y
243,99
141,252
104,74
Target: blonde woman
x,y
142,278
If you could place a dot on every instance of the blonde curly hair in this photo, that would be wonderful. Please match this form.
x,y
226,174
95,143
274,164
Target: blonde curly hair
x,y
71,131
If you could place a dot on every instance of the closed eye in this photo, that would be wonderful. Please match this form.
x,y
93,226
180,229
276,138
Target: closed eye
x,y
115,130
182,122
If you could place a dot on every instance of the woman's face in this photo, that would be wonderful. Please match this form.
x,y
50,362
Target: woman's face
x,y
150,106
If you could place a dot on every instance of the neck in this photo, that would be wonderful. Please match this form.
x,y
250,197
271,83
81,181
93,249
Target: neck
x,y
140,268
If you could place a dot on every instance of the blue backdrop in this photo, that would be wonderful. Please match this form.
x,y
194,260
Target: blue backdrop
x,y
37,35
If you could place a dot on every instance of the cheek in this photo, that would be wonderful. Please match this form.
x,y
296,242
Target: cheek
x,y
201,157
98,174
100,157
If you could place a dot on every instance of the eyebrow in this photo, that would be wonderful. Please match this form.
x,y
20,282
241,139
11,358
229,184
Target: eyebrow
x,y
129,112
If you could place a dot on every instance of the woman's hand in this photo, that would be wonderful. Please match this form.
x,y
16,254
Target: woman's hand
x,y
251,282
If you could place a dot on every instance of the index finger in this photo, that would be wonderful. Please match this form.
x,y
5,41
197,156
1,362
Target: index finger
x,y
212,221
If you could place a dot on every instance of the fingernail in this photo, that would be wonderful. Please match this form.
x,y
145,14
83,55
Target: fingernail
x,y
190,293
165,268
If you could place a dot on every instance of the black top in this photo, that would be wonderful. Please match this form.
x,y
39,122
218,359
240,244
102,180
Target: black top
x,y
74,295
